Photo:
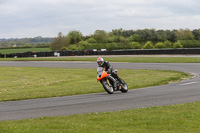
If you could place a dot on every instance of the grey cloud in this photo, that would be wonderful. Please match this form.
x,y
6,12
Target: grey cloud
x,y
52,16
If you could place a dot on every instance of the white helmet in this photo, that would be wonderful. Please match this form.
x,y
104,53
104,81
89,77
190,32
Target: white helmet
x,y
100,61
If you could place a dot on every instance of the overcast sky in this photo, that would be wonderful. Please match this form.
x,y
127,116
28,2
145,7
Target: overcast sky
x,y
31,18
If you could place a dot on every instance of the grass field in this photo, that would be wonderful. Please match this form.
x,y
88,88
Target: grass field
x,y
183,118
22,50
28,82
115,59
17,83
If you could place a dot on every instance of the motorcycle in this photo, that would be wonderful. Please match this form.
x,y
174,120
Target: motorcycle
x,y
107,83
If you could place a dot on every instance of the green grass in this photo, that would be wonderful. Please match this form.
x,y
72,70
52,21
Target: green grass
x,y
22,50
28,82
115,59
17,83
183,118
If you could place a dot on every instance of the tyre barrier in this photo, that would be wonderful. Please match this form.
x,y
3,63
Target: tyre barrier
x,y
111,52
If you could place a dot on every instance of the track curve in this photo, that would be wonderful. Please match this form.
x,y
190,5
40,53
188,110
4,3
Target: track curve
x,y
176,93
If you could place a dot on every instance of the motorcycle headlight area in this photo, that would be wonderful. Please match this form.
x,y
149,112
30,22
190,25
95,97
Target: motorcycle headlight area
x,y
115,71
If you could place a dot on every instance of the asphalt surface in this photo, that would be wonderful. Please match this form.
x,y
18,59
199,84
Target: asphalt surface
x,y
182,92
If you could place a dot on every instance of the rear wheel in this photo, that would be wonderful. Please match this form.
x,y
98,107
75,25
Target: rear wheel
x,y
107,86
124,87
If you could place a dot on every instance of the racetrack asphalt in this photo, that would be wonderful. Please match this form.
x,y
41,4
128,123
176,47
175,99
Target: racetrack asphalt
x,y
176,93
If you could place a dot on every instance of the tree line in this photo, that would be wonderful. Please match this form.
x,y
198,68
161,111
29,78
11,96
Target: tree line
x,y
127,39
24,42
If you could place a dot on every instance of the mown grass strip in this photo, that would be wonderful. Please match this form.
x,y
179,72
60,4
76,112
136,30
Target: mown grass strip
x,y
17,83
22,50
183,118
115,59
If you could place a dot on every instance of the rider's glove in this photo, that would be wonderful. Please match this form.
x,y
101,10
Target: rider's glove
x,y
109,71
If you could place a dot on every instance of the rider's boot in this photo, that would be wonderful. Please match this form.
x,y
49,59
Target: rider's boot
x,y
114,82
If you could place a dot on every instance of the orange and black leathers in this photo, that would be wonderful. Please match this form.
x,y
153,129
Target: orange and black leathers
x,y
106,65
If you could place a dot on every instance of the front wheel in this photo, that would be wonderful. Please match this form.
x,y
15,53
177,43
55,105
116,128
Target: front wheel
x,y
107,86
124,86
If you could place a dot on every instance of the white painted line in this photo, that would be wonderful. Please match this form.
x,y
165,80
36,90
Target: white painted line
x,y
188,83
195,75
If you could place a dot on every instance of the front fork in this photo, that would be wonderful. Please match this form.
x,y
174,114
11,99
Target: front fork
x,y
112,80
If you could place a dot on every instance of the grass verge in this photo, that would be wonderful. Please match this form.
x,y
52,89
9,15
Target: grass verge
x,y
115,59
18,83
22,50
183,118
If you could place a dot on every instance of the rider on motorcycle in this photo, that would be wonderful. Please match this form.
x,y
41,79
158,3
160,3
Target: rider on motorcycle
x,y
109,69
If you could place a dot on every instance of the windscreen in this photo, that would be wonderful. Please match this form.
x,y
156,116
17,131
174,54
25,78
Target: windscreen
x,y
100,70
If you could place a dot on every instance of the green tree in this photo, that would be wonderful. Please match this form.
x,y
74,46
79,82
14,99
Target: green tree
x,y
159,45
134,38
161,35
196,34
111,46
184,34
111,39
147,35
58,42
148,45
190,43
171,35
83,45
117,32
122,42
177,45
167,44
134,45
91,40
74,37
72,47
100,36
